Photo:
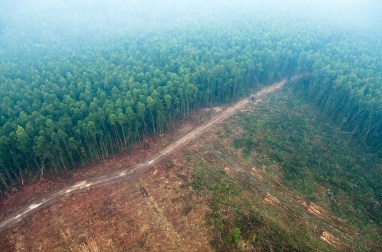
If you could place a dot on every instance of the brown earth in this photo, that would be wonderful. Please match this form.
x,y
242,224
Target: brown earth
x,y
136,170
127,215
131,213
151,213
148,204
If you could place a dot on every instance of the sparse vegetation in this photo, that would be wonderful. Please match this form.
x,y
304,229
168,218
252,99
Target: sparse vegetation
x,y
316,158
243,223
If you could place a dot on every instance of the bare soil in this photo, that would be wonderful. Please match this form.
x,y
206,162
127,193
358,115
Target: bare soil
x,y
143,207
136,170
141,200
151,213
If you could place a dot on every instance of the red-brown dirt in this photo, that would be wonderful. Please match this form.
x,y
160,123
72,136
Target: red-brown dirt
x,y
131,171
128,215
154,209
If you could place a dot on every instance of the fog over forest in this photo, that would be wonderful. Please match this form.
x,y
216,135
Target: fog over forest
x,y
296,168
49,20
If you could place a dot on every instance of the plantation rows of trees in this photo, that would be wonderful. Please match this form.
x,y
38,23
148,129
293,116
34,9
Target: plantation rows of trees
x,y
62,110
65,107
345,82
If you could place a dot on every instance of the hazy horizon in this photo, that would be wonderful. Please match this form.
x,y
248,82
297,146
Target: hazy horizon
x,y
48,20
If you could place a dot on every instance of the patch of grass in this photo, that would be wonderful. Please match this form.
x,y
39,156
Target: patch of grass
x,y
241,222
187,155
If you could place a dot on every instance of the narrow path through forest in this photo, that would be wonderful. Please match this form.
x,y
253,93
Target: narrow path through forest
x,y
133,172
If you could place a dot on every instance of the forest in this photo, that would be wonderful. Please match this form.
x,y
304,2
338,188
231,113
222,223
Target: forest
x,y
63,107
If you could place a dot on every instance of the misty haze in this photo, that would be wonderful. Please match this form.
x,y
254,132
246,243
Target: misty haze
x,y
190,125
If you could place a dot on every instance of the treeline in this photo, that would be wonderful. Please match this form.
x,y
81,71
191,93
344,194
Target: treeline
x,y
66,106
345,82
63,109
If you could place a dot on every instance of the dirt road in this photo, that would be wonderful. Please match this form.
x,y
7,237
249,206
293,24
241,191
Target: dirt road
x,y
138,169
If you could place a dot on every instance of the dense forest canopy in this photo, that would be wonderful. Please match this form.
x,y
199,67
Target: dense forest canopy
x,y
79,81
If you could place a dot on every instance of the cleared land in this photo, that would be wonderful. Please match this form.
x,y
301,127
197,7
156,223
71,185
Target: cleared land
x,y
137,169
216,194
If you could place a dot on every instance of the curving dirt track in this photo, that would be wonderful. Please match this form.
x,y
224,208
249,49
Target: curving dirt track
x,y
137,170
